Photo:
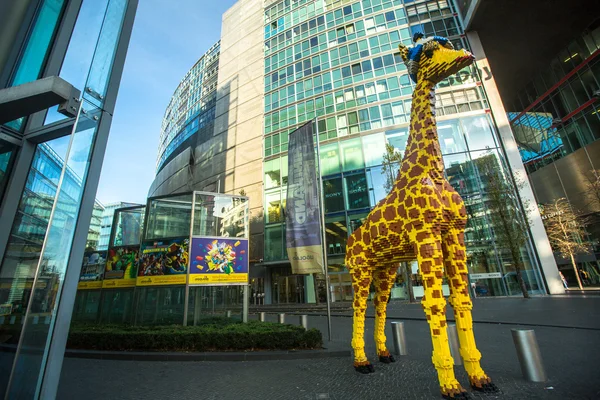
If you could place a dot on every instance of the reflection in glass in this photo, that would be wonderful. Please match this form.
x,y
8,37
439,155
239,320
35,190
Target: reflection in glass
x,y
273,243
336,234
220,215
333,194
160,305
273,173
374,147
129,227
352,157
330,159
274,207
450,136
117,306
460,174
356,192
377,180
7,157
169,217
478,132
398,138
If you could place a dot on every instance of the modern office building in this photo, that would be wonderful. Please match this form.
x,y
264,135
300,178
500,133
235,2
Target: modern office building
x,y
93,238
107,221
283,63
550,86
60,68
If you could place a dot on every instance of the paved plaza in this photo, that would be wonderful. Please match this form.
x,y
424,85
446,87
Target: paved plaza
x,y
570,355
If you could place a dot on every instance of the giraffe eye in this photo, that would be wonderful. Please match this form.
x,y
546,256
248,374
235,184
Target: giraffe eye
x,y
428,53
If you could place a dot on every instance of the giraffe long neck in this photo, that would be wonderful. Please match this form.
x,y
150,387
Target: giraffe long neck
x,y
423,146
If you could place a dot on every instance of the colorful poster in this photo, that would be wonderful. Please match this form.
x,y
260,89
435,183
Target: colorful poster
x,y
303,216
163,262
219,261
92,270
121,267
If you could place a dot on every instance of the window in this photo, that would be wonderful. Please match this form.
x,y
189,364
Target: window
x,y
333,193
357,194
356,69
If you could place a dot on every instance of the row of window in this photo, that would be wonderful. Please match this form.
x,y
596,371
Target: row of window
x,y
462,100
332,38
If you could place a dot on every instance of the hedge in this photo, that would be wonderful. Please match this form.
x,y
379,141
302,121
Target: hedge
x,y
216,334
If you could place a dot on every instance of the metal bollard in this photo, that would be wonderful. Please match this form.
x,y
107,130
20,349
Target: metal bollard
x,y
282,318
262,316
304,321
454,347
529,355
399,338
228,313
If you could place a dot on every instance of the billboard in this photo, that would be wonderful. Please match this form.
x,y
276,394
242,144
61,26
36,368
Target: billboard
x,y
302,213
163,262
92,270
121,267
219,261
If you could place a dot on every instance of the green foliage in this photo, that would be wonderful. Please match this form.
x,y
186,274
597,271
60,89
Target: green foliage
x,y
211,334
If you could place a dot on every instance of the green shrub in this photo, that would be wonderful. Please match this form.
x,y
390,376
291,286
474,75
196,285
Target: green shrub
x,y
211,334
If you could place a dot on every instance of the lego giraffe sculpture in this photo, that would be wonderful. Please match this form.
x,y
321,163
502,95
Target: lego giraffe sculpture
x,y
422,218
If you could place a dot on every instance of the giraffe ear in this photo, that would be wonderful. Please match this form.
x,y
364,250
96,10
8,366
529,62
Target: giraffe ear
x,y
403,52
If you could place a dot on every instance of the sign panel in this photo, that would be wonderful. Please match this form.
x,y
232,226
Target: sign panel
x,y
92,270
303,226
163,262
219,261
121,267
488,275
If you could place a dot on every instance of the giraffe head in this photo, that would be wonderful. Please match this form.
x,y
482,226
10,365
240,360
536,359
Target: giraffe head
x,y
434,58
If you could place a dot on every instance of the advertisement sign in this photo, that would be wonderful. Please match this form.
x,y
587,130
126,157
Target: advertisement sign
x,y
121,267
219,261
163,262
92,270
303,226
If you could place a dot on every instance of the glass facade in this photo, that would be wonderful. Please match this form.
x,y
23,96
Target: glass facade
x,y
192,107
556,122
49,192
338,63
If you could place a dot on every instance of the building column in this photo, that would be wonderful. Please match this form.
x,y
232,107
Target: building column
x,y
513,157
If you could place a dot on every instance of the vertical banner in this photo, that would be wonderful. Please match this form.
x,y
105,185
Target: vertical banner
x,y
302,216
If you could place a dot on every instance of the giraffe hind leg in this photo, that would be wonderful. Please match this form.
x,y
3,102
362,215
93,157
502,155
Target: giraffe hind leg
x,y
456,271
383,280
361,280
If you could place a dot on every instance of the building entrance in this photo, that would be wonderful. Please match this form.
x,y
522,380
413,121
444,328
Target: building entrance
x,y
288,289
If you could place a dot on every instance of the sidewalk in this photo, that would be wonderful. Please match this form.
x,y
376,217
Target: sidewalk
x,y
570,356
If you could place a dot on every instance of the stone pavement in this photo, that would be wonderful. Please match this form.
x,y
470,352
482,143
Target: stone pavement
x,y
570,356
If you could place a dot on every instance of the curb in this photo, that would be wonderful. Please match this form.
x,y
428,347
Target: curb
x,y
207,356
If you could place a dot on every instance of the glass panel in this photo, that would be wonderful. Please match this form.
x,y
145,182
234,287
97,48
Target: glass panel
x,y
101,67
117,306
374,147
336,234
356,192
220,215
398,138
50,269
129,227
273,206
80,52
451,138
330,159
160,305
273,243
272,174
352,157
334,198
169,217
461,175
7,158
479,132
377,181
33,57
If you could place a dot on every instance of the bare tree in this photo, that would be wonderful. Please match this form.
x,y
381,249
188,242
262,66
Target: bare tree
x,y
566,230
390,166
510,225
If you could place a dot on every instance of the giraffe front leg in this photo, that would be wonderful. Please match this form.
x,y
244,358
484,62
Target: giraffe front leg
x,y
456,270
383,281
430,259
361,280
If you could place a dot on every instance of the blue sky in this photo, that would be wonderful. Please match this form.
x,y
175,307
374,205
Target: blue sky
x,y
168,38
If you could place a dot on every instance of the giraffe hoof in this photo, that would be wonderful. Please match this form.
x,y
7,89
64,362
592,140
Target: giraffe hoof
x,y
387,359
460,395
486,388
365,369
